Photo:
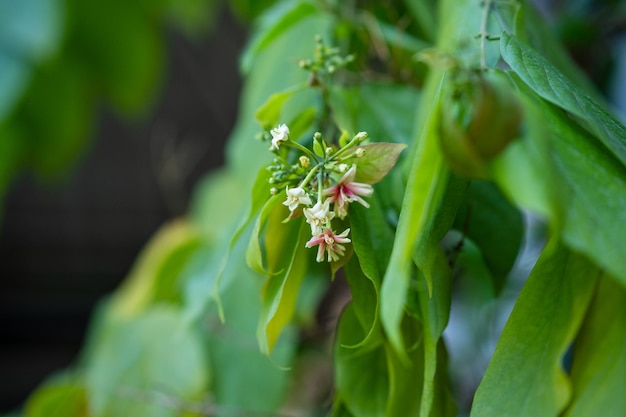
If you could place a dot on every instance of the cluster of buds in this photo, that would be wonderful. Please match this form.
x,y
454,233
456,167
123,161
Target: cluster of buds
x,y
326,60
320,185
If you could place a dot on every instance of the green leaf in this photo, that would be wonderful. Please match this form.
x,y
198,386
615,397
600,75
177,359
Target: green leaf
x,y
385,111
155,351
287,264
493,224
156,274
428,209
433,287
57,116
274,23
254,254
63,397
378,160
242,376
30,31
406,379
599,363
372,239
525,376
361,375
594,192
126,59
545,80
268,115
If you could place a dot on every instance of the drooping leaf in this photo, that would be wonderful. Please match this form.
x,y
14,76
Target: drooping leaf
x,y
599,363
286,266
545,80
254,254
525,376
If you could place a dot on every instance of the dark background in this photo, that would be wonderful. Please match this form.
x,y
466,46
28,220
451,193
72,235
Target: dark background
x,y
64,246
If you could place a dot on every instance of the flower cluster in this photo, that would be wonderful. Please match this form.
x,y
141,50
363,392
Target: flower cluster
x,y
320,186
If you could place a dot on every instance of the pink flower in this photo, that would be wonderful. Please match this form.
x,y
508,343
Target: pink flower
x,y
331,243
347,191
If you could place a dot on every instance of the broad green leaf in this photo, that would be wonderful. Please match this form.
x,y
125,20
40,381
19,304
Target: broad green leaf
x,y
525,171
268,115
155,351
156,275
378,160
592,218
243,377
384,111
274,23
361,375
275,69
286,266
493,224
599,363
545,80
216,216
525,376
63,397
254,254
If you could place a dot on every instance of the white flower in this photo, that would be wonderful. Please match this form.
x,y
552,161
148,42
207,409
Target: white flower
x,y
279,134
318,216
295,197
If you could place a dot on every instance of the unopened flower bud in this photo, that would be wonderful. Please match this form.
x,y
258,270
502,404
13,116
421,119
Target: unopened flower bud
x,y
271,180
329,151
359,153
273,191
361,136
305,162
343,168
317,136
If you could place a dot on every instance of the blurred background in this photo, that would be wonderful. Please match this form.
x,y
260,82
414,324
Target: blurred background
x,y
86,185
109,114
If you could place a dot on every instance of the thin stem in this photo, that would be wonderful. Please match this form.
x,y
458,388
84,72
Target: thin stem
x,y
307,151
310,175
483,33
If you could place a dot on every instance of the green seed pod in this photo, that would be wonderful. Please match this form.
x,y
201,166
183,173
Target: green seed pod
x,y
480,116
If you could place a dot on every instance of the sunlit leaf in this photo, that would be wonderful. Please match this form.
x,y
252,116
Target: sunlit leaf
x,y
377,161
545,80
525,376
599,363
